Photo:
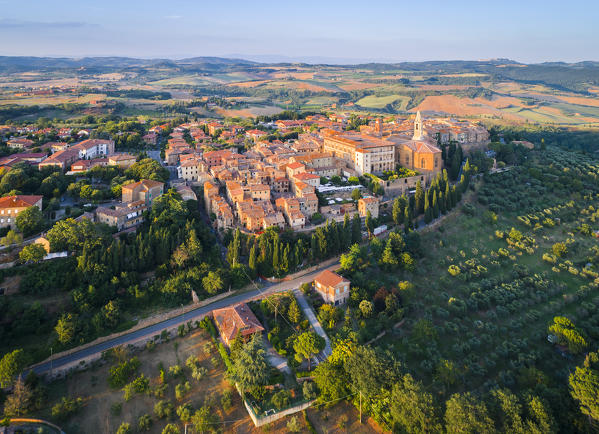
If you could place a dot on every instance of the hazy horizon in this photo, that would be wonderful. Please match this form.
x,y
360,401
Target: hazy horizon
x,y
345,32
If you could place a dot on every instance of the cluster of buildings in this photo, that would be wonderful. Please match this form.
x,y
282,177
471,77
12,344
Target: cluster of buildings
x,y
136,198
71,158
275,183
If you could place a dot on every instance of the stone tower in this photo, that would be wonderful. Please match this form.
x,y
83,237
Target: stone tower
x,y
418,134
378,127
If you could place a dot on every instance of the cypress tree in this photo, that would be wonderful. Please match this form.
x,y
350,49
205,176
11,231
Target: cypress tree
x,y
435,205
285,259
442,209
418,199
428,215
369,223
407,221
356,229
397,211
275,256
252,261
447,197
454,197
314,246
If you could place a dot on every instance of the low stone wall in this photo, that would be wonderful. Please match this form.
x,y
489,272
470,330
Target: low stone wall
x,y
263,420
140,325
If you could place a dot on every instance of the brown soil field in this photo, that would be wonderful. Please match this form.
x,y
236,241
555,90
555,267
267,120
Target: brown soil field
x,y
246,84
249,112
593,102
58,82
296,75
357,86
341,418
451,104
52,99
301,85
96,415
500,102
92,386
442,86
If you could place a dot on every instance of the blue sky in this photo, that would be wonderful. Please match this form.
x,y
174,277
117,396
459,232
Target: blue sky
x,y
524,30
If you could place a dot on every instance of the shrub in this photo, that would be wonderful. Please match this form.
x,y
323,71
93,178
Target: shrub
x,y
175,371
309,390
120,374
294,425
227,399
281,399
144,423
125,428
181,390
66,407
163,409
184,412
116,408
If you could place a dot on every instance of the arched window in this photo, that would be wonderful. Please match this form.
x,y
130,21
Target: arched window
x,y
422,163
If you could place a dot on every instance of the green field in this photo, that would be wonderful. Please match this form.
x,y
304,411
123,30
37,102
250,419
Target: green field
x,y
380,102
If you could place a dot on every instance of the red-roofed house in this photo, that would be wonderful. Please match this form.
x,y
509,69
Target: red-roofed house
x,y
255,135
332,287
236,320
10,206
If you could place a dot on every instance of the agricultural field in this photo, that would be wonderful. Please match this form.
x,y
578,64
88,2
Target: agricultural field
x,y
377,102
564,97
497,284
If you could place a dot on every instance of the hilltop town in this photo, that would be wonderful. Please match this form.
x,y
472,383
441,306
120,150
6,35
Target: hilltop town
x,y
325,268
270,182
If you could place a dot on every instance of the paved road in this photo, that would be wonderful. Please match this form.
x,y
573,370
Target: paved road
x,y
157,328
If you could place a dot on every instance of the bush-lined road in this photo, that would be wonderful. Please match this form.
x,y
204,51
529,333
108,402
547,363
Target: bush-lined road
x,y
155,329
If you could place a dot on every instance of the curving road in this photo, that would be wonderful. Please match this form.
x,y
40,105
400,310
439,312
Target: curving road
x,y
192,315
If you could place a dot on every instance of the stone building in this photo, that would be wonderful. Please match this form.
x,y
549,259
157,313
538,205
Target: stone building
x,y
332,287
145,190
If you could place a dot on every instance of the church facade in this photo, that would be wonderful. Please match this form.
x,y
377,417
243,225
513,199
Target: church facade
x,y
420,153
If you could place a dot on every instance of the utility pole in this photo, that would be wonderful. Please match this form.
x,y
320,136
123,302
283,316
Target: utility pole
x,y
360,407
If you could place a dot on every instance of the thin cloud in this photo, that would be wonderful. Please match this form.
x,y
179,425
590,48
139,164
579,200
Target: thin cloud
x,y
173,17
19,24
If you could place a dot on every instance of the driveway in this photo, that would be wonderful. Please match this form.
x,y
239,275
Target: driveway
x,y
301,299
274,358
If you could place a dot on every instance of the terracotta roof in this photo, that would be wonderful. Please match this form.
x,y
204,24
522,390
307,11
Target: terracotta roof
x,y
145,183
421,146
19,201
295,165
328,278
306,175
238,318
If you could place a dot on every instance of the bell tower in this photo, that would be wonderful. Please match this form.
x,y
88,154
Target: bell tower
x,y
418,135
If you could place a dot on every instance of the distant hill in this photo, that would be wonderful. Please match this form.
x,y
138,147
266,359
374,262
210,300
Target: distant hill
x,y
11,64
